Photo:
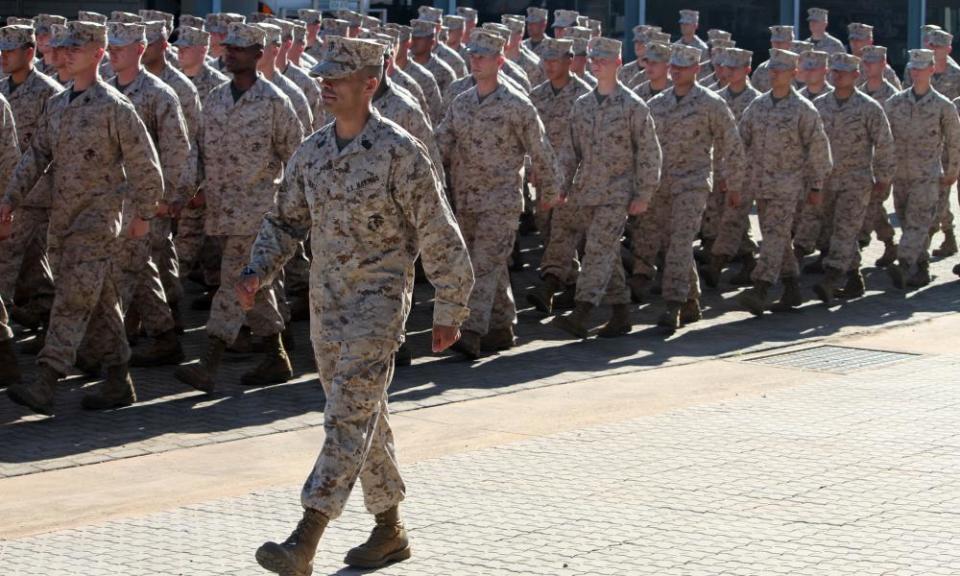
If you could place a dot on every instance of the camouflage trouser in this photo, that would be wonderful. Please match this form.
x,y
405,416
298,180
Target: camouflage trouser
x,y
944,219
916,204
489,237
649,235
876,220
193,245
843,219
811,231
137,275
601,271
733,235
358,441
687,201
23,256
297,272
712,215
86,299
164,254
226,315
776,259
5,332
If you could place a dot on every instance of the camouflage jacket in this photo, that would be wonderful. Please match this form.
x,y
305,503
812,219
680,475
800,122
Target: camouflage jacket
x,y
484,144
370,209
441,71
618,156
311,90
452,59
737,102
926,133
554,109
786,146
297,99
881,95
94,145
244,146
403,80
208,79
431,90
829,44
398,105
860,139
9,147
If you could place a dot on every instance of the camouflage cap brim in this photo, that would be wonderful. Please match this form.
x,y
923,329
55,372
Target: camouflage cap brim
x,y
332,70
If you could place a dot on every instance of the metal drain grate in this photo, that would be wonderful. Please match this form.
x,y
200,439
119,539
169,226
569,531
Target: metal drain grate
x,y
833,359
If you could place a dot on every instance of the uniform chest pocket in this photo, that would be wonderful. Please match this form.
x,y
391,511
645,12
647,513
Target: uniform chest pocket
x,y
371,215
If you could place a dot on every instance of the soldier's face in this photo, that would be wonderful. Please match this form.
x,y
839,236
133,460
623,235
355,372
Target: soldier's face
x,y
16,60
845,79
191,56
782,45
921,75
123,58
782,77
154,52
737,75
656,70
640,49
343,95
579,64
215,39
421,45
722,72
817,28
684,75
312,29
240,60
537,29
81,59
856,46
485,66
874,69
296,49
270,53
605,68
557,68
43,43
688,29
455,37
559,32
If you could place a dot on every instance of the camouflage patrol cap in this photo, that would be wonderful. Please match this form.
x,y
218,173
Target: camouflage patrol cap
x,y
244,35
258,17
583,21
484,42
939,38
595,26
813,60
800,46
454,22
286,28
717,34
88,16
430,14
689,17
334,27
658,52
309,15
817,15
843,62
344,56
781,34
716,53
658,38
874,53
151,15
192,21
404,33
516,26
125,17
580,46
156,31
272,34
604,48
721,43
190,36
83,33
858,31
683,56
43,22
58,33
350,16
641,32
13,37
736,58
219,22
469,14
782,59
921,58
370,22
498,29
537,15
581,32
423,28
15,21
565,18
126,33
299,34
556,48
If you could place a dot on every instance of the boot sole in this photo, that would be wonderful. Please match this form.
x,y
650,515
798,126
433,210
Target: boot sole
x,y
278,564
562,323
46,409
539,304
750,307
398,556
897,278
823,295
186,376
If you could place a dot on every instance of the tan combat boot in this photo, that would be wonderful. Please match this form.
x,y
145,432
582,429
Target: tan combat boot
x,y
949,245
9,368
742,278
690,312
294,556
468,345
921,277
791,298
855,286
387,543
202,376
825,289
889,254
498,340
755,299
37,395
898,274
116,392
275,367
541,297
164,350
715,266
575,322
619,323
670,319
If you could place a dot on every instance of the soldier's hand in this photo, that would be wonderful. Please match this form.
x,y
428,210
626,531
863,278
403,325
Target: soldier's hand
x,y
138,228
881,189
163,209
814,197
545,206
175,208
947,181
6,213
247,288
721,186
444,337
197,201
637,207
733,198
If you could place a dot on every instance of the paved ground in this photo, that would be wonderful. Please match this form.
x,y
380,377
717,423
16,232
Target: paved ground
x,y
849,474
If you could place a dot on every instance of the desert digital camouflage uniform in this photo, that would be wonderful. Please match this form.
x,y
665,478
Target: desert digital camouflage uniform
x,y
927,136
370,208
809,95
446,54
948,84
616,160
761,75
208,79
23,259
244,146
159,109
733,230
297,99
403,80
881,94
630,69
825,43
692,130
398,106
5,332
646,91
431,90
101,157
461,85
484,144
788,153
311,90
438,68
863,153
692,17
